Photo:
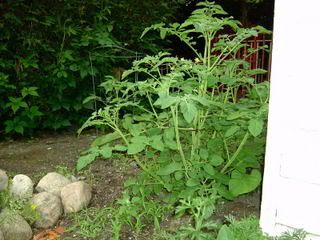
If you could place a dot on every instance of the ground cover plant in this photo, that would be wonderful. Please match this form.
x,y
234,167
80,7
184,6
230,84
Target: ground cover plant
x,y
92,222
196,131
23,207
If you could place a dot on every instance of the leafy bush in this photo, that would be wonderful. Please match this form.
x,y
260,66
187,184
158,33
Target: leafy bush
x,y
53,54
188,129
131,17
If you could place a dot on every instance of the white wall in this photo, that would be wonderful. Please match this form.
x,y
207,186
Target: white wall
x,y
291,186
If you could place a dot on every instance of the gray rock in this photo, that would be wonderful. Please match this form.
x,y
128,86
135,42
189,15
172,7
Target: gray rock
x,y
22,187
72,178
76,179
49,207
75,196
53,183
1,235
14,227
3,181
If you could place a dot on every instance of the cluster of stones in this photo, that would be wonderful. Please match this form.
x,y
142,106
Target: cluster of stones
x,y
54,195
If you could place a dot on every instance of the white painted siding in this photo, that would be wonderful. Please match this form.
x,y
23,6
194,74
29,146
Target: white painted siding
x,y
291,186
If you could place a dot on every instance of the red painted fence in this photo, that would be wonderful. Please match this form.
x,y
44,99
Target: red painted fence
x,y
261,58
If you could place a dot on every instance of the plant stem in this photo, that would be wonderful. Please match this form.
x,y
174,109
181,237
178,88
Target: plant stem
x,y
205,54
226,96
191,47
140,164
224,144
221,58
235,155
150,102
174,111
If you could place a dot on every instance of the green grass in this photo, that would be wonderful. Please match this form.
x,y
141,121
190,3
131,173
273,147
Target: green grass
x,y
90,223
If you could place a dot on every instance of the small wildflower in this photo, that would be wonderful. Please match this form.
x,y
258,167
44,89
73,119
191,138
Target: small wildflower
x,y
33,206
197,60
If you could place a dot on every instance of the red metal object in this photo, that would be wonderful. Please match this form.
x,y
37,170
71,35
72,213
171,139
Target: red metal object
x,y
256,56
261,58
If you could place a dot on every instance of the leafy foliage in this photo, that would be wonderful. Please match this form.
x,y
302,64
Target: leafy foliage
x,y
23,207
133,16
249,229
50,54
187,128
201,210
53,54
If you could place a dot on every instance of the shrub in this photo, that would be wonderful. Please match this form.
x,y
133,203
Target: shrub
x,y
186,128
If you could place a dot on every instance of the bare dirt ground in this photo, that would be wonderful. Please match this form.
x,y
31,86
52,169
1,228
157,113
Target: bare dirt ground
x,y
38,156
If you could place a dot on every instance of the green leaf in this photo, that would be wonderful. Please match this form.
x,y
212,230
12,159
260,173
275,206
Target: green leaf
x,y
168,169
224,192
171,144
231,131
65,123
204,153
74,67
203,101
19,129
140,139
192,182
34,112
209,169
168,138
91,98
235,115
136,129
130,182
16,104
166,101
105,139
145,32
189,111
169,133
212,80
157,143
24,104
241,183
136,147
84,72
225,233
163,33
178,175
143,117
164,156
106,151
32,91
255,127
120,148
154,131
150,154
15,108
216,160
9,126
84,161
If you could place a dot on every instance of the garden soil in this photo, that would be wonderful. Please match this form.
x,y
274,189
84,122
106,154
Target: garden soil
x,y
38,156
